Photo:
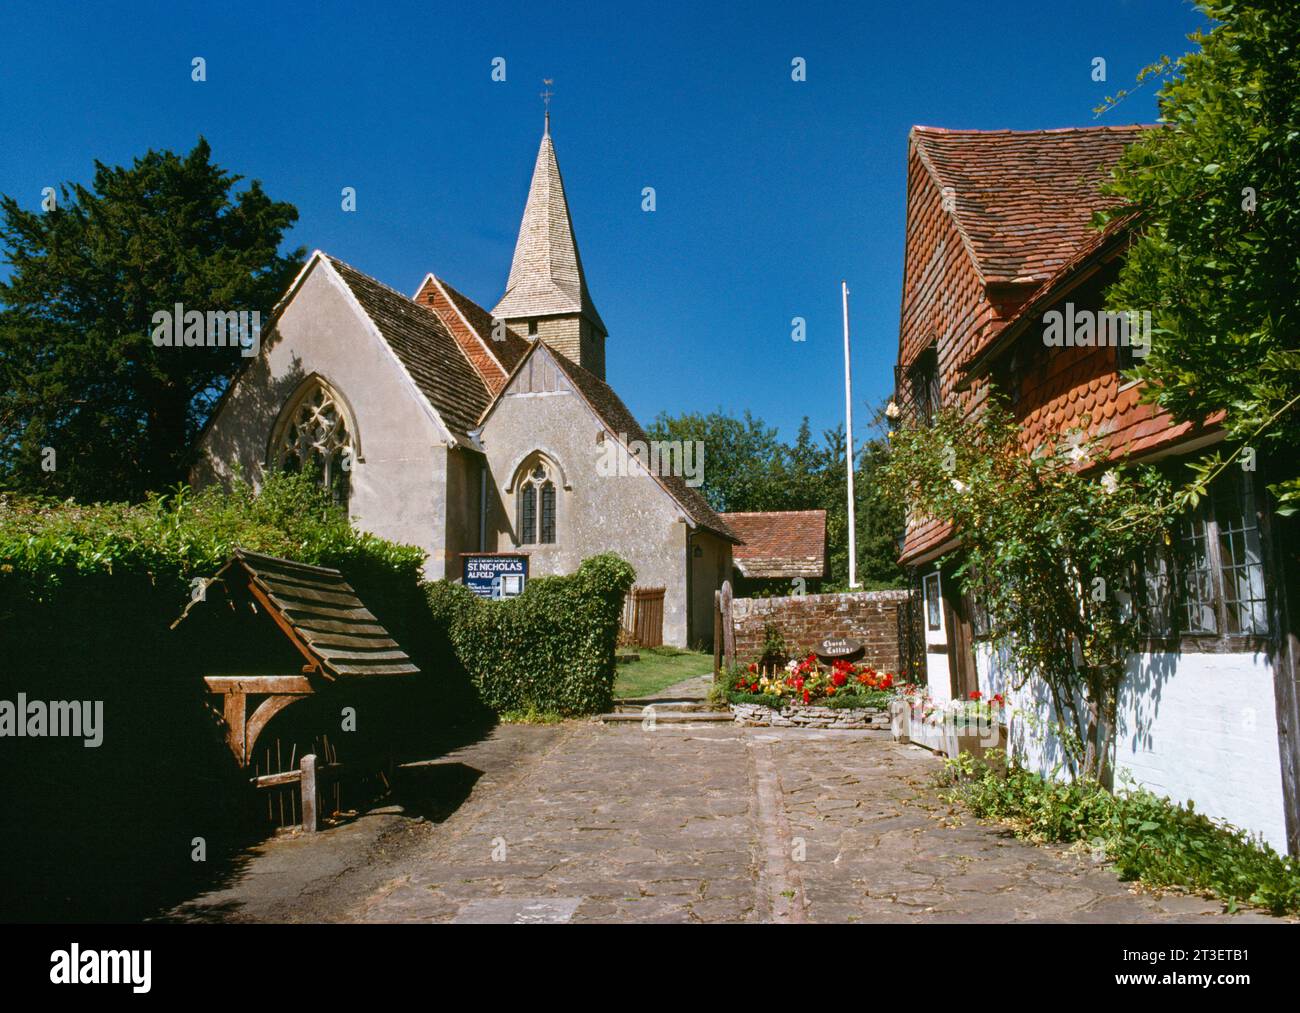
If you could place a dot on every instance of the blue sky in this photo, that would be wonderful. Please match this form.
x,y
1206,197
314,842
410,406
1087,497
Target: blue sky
x,y
768,191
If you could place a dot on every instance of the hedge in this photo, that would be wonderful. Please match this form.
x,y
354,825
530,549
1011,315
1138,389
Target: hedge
x,y
550,650
87,596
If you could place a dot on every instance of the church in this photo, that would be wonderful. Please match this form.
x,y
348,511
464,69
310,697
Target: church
x,y
457,429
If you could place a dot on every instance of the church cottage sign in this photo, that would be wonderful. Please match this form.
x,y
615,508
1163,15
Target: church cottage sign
x,y
496,574
839,647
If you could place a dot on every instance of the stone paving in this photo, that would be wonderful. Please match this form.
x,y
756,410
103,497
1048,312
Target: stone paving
x,y
729,824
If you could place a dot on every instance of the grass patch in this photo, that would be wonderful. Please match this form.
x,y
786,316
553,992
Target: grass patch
x,y
659,668
530,716
1148,838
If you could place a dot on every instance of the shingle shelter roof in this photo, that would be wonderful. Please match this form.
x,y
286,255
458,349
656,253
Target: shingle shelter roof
x,y
1022,200
780,543
323,615
546,275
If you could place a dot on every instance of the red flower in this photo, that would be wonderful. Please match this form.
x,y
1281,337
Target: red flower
x,y
975,694
839,679
805,696
753,666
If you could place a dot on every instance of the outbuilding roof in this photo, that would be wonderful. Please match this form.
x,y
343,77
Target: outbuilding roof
x,y
780,543
320,612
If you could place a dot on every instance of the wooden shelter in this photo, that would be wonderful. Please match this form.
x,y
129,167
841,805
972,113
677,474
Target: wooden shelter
x,y
274,631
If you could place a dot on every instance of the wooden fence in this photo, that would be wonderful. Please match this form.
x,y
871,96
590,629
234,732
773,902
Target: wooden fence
x,y
302,795
643,617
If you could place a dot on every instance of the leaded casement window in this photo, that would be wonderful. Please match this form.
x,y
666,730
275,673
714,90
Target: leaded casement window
x,y
314,436
1210,585
923,379
535,497
933,613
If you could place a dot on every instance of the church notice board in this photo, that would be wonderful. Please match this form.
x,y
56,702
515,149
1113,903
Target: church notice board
x,y
495,574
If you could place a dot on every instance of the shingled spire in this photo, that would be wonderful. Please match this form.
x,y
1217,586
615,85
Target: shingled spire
x,y
546,296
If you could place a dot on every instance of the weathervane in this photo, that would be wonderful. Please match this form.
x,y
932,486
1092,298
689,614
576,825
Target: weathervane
x,y
546,100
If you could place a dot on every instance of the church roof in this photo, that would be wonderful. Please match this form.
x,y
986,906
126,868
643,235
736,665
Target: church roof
x,y
510,350
421,341
546,275
611,410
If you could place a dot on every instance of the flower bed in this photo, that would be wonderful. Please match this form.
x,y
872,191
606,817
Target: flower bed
x,y
808,694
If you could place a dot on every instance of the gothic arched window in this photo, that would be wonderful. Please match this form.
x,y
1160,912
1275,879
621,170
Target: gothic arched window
x,y
313,435
535,497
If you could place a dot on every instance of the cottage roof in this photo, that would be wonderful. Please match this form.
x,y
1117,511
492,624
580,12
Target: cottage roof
x,y
1022,200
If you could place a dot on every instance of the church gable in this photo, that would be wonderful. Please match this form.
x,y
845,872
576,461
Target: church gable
x,y
545,373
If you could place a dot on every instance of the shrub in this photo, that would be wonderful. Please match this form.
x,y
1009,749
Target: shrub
x,y
551,650
1149,838
87,596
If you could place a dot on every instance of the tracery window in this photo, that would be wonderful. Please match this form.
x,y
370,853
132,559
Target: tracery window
x,y
314,436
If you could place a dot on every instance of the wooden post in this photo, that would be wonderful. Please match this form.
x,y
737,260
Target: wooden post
x,y
728,630
717,635
310,795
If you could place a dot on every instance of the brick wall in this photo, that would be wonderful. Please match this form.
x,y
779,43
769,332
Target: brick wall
x,y
868,616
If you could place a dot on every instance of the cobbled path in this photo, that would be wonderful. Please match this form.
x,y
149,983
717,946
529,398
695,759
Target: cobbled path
x,y
727,824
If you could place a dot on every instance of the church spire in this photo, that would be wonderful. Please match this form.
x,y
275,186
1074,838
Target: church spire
x,y
546,294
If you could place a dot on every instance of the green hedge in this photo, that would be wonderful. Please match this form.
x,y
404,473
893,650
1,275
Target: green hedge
x,y
87,597
549,650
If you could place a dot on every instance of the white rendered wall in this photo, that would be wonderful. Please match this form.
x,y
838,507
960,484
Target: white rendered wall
x,y
1193,727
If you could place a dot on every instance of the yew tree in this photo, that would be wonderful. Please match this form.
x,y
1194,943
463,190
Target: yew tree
x,y
89,407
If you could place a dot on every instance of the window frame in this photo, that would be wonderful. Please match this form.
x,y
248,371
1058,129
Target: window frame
x,y
1178,639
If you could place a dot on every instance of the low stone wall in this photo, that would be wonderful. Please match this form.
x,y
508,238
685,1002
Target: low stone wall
x,y
804,620
756,715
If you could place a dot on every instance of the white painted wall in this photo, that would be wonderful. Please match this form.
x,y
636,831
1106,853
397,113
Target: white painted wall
x,y
1192,727
399,482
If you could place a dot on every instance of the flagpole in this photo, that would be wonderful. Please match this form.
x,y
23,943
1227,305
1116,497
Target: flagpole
x,y
848,449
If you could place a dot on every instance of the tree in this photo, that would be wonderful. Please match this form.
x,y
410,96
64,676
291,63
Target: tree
x,y
79,373
748,468
741,457
1216,253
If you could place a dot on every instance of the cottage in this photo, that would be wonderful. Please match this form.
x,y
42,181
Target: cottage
x,y
999,248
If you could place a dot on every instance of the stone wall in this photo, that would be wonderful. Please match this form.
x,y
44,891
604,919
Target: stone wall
x,y
758,716
868,616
